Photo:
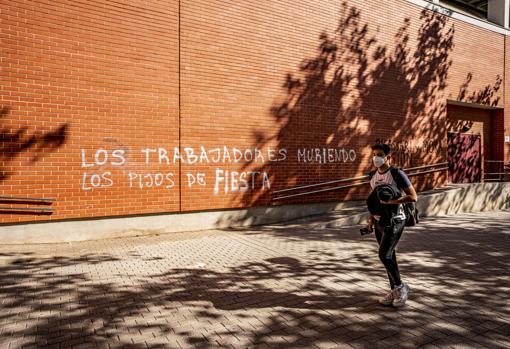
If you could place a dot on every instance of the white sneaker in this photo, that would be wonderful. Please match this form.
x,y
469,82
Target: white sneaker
x,y
388,299
401,294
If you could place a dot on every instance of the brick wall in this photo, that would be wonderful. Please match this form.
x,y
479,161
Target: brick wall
x,y
498,135
131,107
507,100
87,78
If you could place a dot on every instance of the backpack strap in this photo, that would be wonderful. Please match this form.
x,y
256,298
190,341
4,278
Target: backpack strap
x,y
394,174
394,170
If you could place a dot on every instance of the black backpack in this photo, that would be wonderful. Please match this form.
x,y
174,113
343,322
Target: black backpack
x,y
410,210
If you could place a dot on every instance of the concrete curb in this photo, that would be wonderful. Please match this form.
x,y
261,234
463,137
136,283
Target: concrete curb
x,y
445,201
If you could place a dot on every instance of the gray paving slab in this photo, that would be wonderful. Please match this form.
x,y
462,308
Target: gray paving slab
x,y
294,285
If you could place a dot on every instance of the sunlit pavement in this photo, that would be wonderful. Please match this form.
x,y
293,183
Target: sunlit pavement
x,y
282,286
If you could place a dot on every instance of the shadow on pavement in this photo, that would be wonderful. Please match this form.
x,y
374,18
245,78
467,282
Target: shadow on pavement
x,y
459,274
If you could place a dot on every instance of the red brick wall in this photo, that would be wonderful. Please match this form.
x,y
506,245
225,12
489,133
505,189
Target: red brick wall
x,y
498,135
80,76
507,99
301,88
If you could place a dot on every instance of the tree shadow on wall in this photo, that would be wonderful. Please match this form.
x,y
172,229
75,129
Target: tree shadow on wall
x,y
14,142
486,96
355,91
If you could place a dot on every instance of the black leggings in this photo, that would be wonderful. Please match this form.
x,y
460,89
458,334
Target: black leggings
x,y
388,239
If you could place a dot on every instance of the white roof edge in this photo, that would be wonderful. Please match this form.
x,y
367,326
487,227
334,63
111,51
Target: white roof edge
x,y
451,13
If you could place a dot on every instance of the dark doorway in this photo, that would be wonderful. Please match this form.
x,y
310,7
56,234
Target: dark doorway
x,y
464,158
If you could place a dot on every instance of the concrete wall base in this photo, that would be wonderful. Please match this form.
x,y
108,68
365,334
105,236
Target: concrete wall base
x,y
450,200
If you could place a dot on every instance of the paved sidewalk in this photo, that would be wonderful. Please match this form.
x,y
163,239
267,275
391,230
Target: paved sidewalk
x,y
283,286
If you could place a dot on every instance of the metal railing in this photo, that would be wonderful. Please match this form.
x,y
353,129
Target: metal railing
x,y
32,209
409,171
496,171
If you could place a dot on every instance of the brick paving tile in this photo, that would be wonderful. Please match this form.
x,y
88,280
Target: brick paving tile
x,y
467,346
29,346
49,346
430,346
158,345
487,342
102,345
84,346
281,286
172,342
456,341
320,344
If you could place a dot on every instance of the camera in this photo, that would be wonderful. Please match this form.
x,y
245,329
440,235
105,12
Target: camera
x,y
365,231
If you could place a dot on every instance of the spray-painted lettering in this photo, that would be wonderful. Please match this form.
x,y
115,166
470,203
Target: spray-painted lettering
x,y
326,155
